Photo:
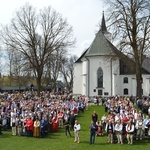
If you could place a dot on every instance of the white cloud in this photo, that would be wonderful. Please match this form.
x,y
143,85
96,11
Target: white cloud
x,y
83,15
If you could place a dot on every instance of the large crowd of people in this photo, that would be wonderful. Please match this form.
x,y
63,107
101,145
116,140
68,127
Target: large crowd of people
x,y
124,120
27,114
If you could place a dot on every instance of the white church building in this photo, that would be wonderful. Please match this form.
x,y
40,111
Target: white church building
x,y
102,70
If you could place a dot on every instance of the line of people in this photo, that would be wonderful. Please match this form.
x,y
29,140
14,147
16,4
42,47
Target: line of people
x,y
124,122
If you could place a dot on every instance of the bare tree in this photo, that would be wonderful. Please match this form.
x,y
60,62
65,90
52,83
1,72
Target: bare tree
x,y
38,36
1,55
16,67
130,20
52,69
9,63
1,66
55,66
67,68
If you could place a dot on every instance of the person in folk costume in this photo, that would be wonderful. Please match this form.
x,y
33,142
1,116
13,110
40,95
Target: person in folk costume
x,y
99,131
29,125
125,119
36,131
67,115
77,128
13,125
55,123
19,125
130,132
140,128
104,120
60,118
118,131
24,126
75,110
110,131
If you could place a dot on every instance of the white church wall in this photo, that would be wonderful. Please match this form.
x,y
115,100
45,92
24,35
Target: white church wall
x,y
84,84
146,85
132,85
104,63
84,66
77,81
115,76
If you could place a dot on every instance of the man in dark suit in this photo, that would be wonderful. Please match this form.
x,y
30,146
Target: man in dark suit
x,y
72,120
93,128
42,127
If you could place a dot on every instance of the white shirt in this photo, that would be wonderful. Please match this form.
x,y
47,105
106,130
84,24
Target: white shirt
x,y
118,127
128,128
139,124
104,118
77,127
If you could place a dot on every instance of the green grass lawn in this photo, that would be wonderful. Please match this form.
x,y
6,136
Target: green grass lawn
x,y
58,141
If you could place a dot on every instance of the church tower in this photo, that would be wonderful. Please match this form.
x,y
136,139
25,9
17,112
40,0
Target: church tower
x,y
103,29
99,71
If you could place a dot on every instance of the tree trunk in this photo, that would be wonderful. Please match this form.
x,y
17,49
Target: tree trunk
x,y
139,81
38,80
55,85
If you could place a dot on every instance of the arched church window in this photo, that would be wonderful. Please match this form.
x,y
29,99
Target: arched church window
x,y
126,92
125,80
99,77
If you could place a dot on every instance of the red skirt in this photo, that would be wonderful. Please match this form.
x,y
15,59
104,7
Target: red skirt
x,y
55,127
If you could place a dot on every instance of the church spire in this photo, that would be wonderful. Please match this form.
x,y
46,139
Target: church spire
x,y
103,24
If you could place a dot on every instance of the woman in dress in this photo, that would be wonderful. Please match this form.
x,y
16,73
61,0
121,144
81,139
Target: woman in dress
x,y
36,132
99,130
